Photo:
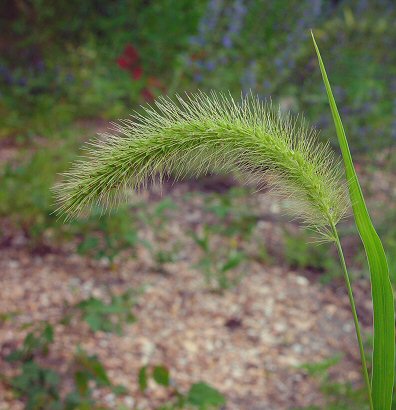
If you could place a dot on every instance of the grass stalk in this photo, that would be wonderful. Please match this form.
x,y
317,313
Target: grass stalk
x,y
354,314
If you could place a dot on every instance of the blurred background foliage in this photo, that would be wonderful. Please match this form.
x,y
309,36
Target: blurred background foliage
x,y
66,68
59,60
63,63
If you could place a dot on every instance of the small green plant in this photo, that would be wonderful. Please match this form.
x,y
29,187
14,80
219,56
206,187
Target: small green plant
x,y
106,237
108,317
337,395
299,252
40,386
200,396
36,342
234,215
6,316
219,265
161,249
88,371
214,133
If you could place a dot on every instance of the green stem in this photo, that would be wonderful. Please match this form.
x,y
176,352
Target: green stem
x,y
354,313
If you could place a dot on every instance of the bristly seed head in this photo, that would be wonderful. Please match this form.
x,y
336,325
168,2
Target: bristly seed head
x,y
201,134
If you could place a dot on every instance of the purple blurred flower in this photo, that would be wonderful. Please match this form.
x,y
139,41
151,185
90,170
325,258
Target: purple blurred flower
x,y
5,73
235,15
40,66
22,82
198,77
267,85
210,65
208,22
306,16
226,41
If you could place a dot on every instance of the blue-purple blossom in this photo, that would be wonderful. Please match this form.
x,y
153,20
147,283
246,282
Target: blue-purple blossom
x,y
5,73
267,85
309,15
198,77
208,22
40,66
216,12
235,15
22,82
226,41
210,65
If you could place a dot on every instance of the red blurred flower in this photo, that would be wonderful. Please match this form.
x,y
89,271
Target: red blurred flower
x,y
123,63
129,60
147,94
137,73
131,52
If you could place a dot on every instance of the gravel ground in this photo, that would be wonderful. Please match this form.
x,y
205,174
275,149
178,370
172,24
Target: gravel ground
x,y
248,342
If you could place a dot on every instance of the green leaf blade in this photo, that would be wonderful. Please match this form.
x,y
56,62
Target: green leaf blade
x,y
161,375
382,293
142,378
205,396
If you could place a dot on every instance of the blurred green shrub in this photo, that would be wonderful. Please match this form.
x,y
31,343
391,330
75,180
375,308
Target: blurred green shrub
x,y
59,58
26,200
25,196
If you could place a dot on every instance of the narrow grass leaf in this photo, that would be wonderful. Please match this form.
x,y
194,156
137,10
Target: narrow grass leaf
x,y
382,293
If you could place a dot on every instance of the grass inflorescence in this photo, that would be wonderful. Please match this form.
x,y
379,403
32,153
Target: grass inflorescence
x,y
200,134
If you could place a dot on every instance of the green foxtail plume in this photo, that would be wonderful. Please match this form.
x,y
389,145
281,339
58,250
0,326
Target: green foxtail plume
x,y
201,134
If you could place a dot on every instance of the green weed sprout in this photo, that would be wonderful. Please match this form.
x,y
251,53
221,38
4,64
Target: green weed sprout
x,y
200,134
